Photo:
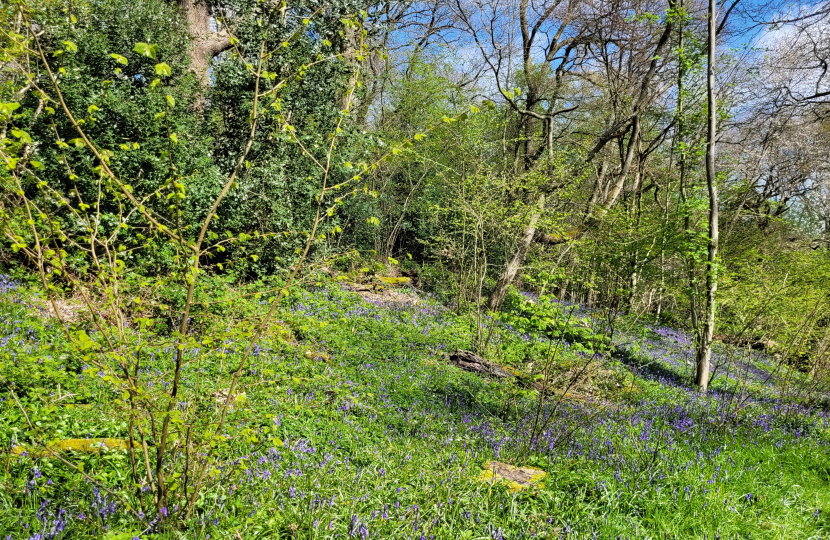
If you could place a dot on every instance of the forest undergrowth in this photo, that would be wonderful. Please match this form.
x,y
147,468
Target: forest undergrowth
x,y
350,423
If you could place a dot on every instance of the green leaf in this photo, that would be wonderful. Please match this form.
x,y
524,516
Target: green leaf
x,y
146,49
163,70
174,138
7,108
71,47
22,135
170,100
118,58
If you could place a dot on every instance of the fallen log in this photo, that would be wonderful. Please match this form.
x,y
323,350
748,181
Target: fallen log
x,y
470,361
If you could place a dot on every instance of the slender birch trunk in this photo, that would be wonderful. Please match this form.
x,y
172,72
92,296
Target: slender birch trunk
x,y
704,352
509,274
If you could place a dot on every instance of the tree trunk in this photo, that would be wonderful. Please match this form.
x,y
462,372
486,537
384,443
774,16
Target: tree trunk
x,y
205,42
512,268
705,352
529,129
633,145
350,45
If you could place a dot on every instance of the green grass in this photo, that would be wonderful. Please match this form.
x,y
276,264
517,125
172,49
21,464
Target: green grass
x,y
381,438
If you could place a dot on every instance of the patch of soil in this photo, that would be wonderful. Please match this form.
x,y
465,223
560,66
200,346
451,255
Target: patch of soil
x,y
377,294
69,310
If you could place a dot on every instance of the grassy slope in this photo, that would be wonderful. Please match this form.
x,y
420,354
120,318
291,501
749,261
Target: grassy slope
x,y
382,439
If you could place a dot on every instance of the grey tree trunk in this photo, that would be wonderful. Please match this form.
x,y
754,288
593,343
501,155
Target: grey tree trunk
x,y
509,274
704,352
205,42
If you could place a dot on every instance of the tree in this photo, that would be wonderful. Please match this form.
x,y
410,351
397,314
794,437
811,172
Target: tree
x,y
575,32
205,42
704,350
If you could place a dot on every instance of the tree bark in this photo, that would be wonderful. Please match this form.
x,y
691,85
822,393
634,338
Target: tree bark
x,y
509,274
205,43
350,45
633,145
704,352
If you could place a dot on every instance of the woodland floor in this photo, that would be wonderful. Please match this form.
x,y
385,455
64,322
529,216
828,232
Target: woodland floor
x,y
356,425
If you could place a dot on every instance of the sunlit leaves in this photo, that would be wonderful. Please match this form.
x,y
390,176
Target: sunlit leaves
x,y
7,108
22,136
163,70
146,49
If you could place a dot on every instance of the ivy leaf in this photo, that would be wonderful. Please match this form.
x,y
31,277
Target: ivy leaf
x,y
146,49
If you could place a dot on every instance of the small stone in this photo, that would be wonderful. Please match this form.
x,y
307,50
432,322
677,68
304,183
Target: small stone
x,y
515,478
